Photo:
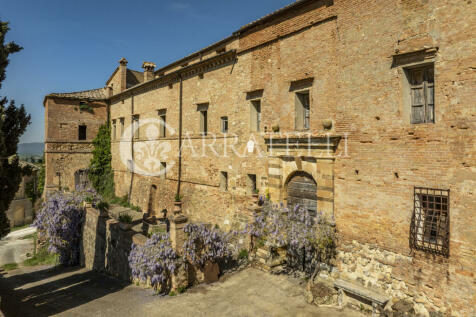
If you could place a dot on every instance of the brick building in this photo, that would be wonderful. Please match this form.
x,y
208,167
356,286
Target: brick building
x,y
361,109
72,121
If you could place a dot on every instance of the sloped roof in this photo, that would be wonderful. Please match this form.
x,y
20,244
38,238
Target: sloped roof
x,y
92,94
271,15
134,77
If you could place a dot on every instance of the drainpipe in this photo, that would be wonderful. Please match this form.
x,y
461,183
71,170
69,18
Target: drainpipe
x,y
132,150
180,137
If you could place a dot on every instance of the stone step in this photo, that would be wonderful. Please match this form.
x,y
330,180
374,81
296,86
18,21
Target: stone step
x,y
263,253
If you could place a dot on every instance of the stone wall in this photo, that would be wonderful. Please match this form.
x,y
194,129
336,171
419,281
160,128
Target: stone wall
x,y
105,247
64,153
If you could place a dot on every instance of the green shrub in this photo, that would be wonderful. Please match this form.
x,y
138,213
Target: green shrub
x,y
243,254
103,206
172,293
125,218
182,289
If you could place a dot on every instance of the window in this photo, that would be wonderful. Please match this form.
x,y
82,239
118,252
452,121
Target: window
x,y
135,126
82,132
224,124
121,120
430,221
251,184
302,110
422,92
162,120
224,181
113,136
163,170
255,111
203,110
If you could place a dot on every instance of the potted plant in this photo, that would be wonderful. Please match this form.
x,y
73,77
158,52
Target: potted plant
x,y
103,208
178,204
125,221
275,128
87,202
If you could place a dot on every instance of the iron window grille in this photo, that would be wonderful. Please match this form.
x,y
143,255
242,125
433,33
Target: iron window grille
x,y
430,225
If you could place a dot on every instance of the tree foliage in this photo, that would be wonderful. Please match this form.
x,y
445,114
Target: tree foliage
x,y
13,123
100,170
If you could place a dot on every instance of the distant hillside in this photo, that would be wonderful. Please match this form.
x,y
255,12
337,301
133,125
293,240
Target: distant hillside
x,y
30,149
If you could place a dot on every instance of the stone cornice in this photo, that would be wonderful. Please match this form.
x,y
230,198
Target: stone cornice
x,y
185,72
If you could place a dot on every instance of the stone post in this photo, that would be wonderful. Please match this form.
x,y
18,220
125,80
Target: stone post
x,y
177,238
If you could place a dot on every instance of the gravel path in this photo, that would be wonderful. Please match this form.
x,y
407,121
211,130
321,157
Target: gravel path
x,y
13,249
43,291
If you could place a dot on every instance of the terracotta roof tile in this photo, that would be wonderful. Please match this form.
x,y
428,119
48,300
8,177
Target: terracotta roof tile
x,y
92,94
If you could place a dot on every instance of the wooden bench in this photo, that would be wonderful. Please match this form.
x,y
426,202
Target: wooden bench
x,y
377,299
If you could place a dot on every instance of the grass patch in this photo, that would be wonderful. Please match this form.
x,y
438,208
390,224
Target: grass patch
x,y
19,228
10,266
30,236
41,257
121,201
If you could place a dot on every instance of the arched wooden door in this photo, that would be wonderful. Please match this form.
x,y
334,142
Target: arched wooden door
x,y
302,190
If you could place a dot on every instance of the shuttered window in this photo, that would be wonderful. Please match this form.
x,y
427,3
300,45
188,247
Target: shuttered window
x,y
422,94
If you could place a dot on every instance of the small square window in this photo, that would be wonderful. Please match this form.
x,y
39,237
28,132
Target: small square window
x,y
82,132
430,221
224,124
224,181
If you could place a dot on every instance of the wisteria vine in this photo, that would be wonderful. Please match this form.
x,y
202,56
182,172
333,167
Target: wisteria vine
x,y
155,261
308,237
59,224
205,244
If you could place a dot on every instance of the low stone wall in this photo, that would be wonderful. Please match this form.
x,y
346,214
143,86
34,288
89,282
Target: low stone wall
x,y
392,273
105,247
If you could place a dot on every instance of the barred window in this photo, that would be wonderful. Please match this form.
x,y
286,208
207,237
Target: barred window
x,y
430,227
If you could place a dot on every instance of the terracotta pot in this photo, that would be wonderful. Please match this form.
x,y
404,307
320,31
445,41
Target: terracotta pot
x,y
210,272
177,207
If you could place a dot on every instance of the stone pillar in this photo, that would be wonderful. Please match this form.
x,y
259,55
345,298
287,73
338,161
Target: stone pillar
x,y
177,238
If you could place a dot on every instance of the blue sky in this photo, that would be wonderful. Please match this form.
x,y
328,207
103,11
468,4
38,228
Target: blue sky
x,y
75,45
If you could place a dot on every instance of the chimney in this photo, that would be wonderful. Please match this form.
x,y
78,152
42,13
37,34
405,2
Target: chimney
x,y
148,70
123,73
